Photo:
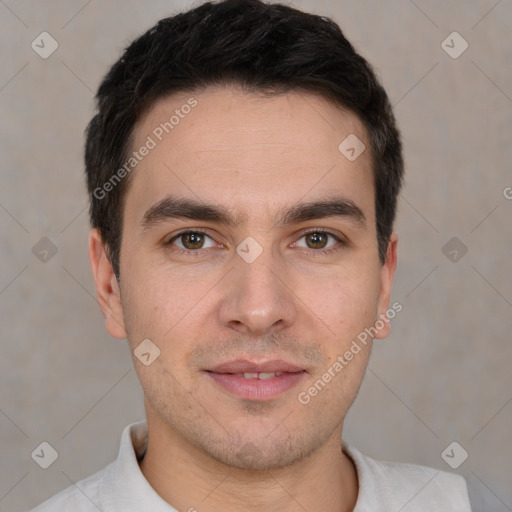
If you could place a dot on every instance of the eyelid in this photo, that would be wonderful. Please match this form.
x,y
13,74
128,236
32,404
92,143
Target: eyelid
x,y
191,230
327,231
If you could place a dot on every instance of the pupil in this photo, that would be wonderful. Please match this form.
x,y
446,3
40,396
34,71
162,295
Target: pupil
x,y
317,238
194,240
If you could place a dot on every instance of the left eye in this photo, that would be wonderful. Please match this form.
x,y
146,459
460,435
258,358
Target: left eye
x,y
318,240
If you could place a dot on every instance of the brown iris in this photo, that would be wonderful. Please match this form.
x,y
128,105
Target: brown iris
x,y
318,240
192,240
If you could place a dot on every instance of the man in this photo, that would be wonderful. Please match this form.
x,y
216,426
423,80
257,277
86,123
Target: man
x,y
243,171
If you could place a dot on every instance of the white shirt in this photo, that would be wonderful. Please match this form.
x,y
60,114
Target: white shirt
x,y
383,486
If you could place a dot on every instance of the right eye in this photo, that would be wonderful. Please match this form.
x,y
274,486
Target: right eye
x,y
190,241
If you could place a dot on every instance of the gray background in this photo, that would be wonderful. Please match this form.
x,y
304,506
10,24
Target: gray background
x,y
444,373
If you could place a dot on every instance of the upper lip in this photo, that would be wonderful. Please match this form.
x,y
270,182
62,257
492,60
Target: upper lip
x,y
246,366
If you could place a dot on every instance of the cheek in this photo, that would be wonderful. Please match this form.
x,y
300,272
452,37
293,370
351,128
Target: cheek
x,y
153,297
163,307
346,303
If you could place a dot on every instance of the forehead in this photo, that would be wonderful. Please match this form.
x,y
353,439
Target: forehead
x,y
248,151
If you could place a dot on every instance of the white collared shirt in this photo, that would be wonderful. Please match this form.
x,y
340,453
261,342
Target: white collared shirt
x,y
383,486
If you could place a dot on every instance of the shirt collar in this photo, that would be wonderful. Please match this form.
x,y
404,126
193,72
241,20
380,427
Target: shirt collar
x,y
124,487
367,494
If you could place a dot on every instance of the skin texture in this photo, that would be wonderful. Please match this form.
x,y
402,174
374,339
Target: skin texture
x,y
254,155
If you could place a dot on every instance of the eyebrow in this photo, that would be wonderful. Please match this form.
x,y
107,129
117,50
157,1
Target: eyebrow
x,y
172,207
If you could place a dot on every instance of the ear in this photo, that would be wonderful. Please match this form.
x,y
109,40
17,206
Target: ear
x,y
107,287
387,273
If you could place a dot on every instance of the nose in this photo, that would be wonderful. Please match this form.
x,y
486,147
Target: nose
x,y
258,299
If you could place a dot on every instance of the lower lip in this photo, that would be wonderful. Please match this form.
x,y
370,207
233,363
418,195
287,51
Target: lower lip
x,y
257,389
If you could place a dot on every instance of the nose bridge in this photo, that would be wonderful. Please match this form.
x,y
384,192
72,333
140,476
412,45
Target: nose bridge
x,y
257,299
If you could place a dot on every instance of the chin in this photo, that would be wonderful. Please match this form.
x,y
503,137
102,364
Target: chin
x,y
261,451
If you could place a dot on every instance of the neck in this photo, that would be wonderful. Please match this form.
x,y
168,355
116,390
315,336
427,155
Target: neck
x,y
189,479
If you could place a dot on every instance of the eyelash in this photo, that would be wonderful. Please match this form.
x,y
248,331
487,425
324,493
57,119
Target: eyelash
x,y
311,252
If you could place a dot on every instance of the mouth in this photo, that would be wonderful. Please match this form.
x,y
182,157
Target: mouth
x,y
256,375
256,381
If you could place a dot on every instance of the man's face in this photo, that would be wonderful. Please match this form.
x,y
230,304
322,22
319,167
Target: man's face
x,y
199,289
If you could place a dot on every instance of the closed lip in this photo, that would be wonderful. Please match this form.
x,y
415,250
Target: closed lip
x,y
245,366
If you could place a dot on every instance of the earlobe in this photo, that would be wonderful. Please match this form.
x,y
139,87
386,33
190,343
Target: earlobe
x,y
387,273
107,288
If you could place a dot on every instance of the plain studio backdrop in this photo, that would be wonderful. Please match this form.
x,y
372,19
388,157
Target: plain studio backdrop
x,y
442,377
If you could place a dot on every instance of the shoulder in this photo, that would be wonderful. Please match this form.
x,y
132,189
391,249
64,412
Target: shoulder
x,y
80,497
120,481
385,485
